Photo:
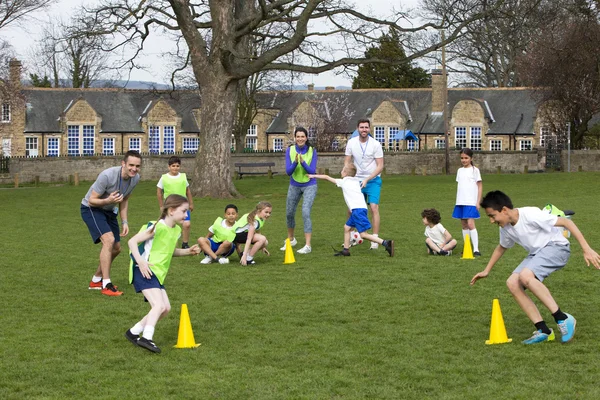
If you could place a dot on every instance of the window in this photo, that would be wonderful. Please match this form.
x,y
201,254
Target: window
x,y
5,112
380,134
440,143
232,142
278,144
6,147
476,138
544,135
335,145
251,142
158,146
252,131
461,137
108,146
190,145
31,147
525,145
53,147
496,145
411,144
394,130
169,139
135,143
80,140
312,134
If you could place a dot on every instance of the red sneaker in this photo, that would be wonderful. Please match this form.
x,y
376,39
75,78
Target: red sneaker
x,y
95,285
111,290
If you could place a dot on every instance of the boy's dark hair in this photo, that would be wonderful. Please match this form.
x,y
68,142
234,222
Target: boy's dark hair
x,y
228,206
132,153
363,121
496,200
174,160
432,215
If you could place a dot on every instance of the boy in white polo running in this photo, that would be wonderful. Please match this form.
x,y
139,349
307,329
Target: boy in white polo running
x,y
548,250
176,182
357,206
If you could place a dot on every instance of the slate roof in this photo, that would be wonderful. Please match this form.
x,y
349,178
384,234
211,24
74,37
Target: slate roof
x,y
508,110
120,109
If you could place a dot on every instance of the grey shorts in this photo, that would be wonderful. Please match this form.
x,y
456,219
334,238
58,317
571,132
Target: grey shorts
x,y
546,261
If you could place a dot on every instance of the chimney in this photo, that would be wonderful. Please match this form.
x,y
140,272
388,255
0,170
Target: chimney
x,y
311,86
438,86
14,67
329,87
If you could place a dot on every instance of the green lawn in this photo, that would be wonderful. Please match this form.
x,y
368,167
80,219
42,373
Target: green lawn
x,y
365,326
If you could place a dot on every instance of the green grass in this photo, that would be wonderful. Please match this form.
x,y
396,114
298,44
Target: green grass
x,y
366,326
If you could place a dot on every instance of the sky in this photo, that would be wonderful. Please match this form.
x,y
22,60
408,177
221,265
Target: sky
x,y
22,37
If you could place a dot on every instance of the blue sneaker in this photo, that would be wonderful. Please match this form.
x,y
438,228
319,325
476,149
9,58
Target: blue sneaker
x,y
539,337
567,328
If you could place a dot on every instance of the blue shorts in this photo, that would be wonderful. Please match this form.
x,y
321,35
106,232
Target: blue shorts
x,y
100,221
359,219
140,283
214,246
372,191
465,212
188,216
546,261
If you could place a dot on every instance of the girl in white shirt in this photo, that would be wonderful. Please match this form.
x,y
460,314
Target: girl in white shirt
x,y
439,241
468,197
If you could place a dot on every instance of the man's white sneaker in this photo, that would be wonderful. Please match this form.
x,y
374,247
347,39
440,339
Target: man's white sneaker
x,y
305,250
207,260
223,260
374,246
293,242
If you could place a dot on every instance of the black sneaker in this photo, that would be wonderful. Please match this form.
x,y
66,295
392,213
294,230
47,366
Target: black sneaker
x,y
477,254
344,253
147,344
389,247
443,252
131,337
184,245
251,262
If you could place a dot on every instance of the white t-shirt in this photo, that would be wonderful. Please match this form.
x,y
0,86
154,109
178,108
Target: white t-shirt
x,y
436,234
160,183
364,155
534,230
352,192
467,191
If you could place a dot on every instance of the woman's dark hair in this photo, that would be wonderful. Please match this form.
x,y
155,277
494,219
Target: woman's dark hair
x,y
303,130
468,152
432,215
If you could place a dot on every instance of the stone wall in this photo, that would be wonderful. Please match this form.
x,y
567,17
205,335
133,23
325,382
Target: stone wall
x,y
58,169
581,160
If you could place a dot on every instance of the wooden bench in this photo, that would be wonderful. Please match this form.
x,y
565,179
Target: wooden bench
x,y
239,173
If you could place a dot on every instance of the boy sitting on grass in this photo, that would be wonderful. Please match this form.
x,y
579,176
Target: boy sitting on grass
x,y
439,241
548,251
357,205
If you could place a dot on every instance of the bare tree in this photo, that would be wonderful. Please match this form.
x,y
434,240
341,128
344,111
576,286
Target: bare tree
x,y
18,10
218,38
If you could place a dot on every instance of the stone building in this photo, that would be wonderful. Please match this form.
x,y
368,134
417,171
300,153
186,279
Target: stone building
x,y
76,122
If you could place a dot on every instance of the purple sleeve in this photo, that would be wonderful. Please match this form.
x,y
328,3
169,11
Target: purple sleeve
x,y
312,168
289,165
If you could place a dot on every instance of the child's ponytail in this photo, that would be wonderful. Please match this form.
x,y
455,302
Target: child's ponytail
x,y
259,207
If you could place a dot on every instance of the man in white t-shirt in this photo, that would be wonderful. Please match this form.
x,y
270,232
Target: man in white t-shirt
x,y
367,155
549,251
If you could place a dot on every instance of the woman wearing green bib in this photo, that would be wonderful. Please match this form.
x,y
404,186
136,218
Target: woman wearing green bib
x,y
300,161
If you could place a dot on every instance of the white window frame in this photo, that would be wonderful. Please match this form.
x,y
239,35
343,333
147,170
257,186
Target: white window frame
x,y
53,147
523,145
460,137
475,139
251,142
335,145
379,132
6,113
168,145
312,134
232,142
135,143
495,144
164,136
79,140
411,145
544,134
277,144
31,146
108,146
392,132
252,130
190,145
440,143
6,147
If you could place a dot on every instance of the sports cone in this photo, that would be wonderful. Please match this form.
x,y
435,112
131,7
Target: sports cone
x,y
185,340
289,253
497,329
468,250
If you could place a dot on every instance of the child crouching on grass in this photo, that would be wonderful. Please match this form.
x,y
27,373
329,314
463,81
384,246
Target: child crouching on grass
x,y
357,205
247,232
439,241
549,251
151,252
218,244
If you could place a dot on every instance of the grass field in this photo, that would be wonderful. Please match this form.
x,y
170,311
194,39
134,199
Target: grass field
x,y
365,326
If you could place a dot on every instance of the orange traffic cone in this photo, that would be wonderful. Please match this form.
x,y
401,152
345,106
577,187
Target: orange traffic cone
x,y
497,328
467,250
289,253
185,339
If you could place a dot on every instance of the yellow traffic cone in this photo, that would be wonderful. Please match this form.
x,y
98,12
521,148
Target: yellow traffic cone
x,y
289,253
185,339
467,250
497,329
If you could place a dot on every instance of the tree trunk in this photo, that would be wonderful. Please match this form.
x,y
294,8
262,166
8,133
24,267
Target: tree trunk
x,y
212,172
